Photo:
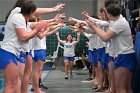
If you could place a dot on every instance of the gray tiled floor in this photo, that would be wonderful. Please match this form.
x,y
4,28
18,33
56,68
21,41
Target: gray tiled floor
x,y
57,84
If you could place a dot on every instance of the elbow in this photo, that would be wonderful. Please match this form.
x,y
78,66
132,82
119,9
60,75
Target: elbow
x,y
23,39
105,39
59,41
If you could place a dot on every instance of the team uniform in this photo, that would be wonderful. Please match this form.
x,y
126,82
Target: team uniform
x,y
39,49
122,45
92,40
69,48
28,45
104,50
11,46
100,48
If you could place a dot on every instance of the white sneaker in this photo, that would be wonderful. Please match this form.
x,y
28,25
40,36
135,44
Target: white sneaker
x,y
84,68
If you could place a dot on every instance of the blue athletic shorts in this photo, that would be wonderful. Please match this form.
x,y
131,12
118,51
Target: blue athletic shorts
x,y
108,58
6,57
92,58
89,55
126,60
95,57
69,58
22,56
30,53
101,55
40,55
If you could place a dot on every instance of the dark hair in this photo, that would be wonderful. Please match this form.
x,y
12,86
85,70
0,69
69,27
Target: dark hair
x,y
67,36
28,7
17,4
108,2
113,9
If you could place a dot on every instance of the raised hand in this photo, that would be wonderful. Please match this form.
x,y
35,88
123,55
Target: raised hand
x,y
57,33
92,24
59,17
41,26
78,33
85,14
58,7
72,20
75,28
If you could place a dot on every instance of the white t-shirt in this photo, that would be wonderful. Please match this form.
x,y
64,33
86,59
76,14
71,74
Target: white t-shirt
x,y
11,42
14,11
27,45
104,25
122,43
69,48
39,43
99,43
92,41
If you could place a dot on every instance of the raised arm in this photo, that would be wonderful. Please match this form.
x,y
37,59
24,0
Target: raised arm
x,y
58,38
57,8
87,35
78,38
50,30
105,36
102,23
74,20
25,36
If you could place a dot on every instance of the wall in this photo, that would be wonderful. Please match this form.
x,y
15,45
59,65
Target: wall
x,y
73,7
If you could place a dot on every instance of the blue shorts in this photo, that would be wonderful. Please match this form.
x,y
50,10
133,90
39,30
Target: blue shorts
x,y
101,55
107,60
22,56
89,55
40,55
69,58
30,53
6,57
95,57
126,60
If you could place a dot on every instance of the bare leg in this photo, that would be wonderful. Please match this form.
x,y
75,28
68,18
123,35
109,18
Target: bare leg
x,y
100,71
11,78
27,74
93,71
129,81
66,62
21,72
71,68
36,74
122,79
112,77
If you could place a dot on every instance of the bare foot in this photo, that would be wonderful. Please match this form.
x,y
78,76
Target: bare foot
x,y
39,91
107,91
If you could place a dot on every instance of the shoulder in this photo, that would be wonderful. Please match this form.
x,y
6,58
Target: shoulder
x,y
16,10
18,16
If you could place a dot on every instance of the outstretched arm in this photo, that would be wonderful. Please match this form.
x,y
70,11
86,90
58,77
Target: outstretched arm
x,y
102,23
78,38
58,38
57,8
105,36
50,30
